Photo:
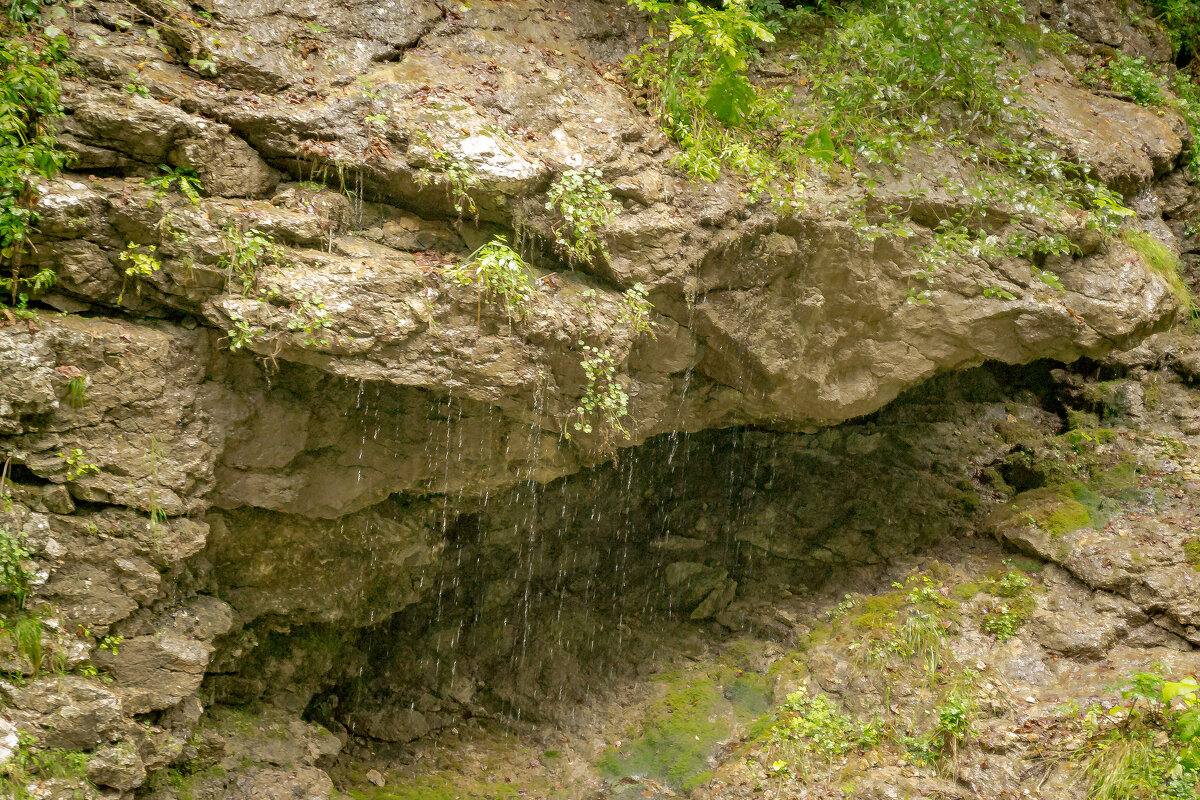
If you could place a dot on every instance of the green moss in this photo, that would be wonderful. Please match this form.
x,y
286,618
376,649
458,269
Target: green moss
x,y
749,694
1159,259
744,654
1062,509
1098,507
1082,420
878,612
681,732
1115,479
1108,396
1191,552
1053,510
966,590
1152,395
436,788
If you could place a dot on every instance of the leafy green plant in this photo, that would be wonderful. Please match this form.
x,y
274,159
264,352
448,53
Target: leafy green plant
x,y
14,577
1134,77
1181,20
813,727
1013,583
1049,278
1004,618
695,71
77,465
141,262
22,12
605,403
703,71
636,308
205,66
500,275
459,178
242,333
184,179
1148,749
19,286
135,86
309,317
246,252
29,152
954,721
871,81
585,204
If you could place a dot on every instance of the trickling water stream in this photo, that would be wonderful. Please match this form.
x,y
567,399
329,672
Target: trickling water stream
x,y
520,601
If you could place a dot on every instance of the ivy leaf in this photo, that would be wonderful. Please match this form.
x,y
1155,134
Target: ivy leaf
x,y
52,31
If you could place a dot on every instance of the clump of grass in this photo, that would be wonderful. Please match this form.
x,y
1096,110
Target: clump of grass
x,y
1147,748
1162,262
27,633
77,392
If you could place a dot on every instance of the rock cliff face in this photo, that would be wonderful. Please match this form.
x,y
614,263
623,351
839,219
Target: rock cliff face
x,y
336,495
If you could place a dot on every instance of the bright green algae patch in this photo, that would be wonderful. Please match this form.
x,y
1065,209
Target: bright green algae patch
x,y
681,732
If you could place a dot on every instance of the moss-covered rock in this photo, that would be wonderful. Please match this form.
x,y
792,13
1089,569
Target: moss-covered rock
x,y
681,732
1053,509
1191,552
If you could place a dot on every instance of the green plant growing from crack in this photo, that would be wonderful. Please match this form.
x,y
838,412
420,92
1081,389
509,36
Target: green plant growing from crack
x,y
500,276
77,465
14,576
30,154
604,405
584,205
141,261
246,253
183,179
459,178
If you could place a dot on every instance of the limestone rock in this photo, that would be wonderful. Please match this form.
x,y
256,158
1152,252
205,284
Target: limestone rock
x,y
390,724
159,670
301,783
118,767
1127,146
68,712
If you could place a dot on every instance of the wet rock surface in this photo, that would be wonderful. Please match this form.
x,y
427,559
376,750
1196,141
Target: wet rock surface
x,y
316,528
